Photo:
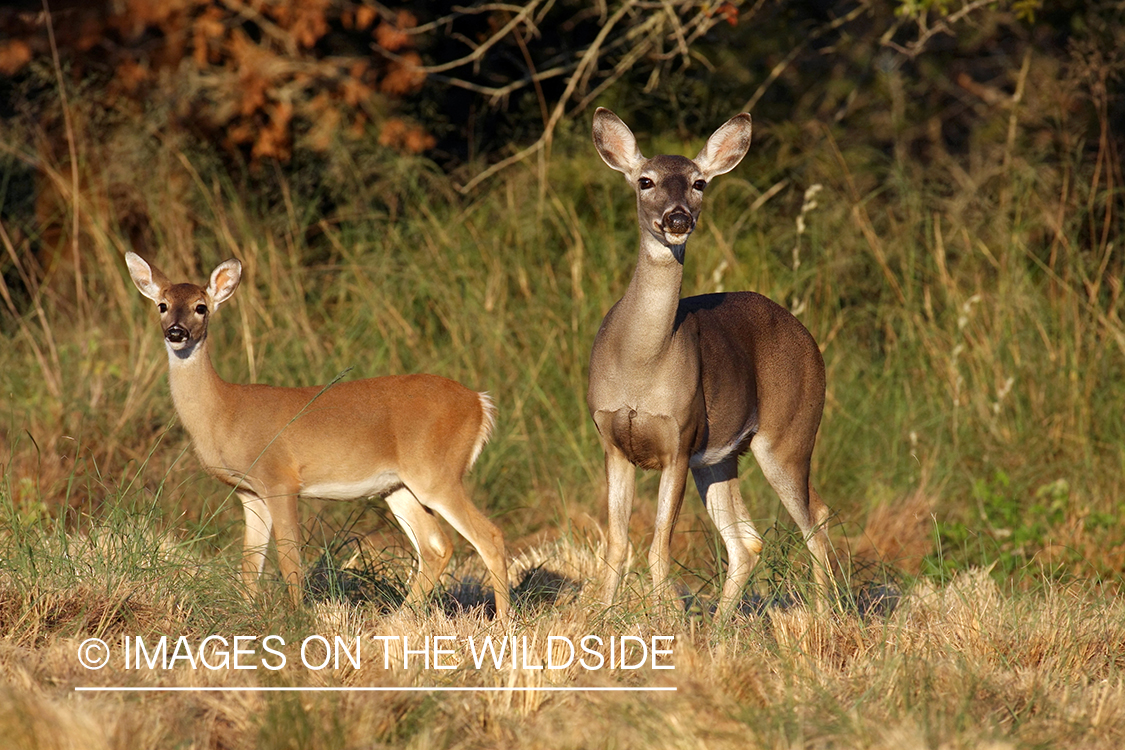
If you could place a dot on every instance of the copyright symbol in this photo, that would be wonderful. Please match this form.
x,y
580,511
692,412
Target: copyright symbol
x,y
93,653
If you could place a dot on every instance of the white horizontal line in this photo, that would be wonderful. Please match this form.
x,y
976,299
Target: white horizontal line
x,y
283,689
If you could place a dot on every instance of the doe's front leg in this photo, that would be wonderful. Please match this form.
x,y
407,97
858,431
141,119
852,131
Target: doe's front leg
x,y
621,486
671,498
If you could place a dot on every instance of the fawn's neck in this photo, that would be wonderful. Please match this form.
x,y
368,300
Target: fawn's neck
x,y
197,392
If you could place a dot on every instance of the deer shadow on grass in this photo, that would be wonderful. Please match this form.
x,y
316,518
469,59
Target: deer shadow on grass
x,y
379,581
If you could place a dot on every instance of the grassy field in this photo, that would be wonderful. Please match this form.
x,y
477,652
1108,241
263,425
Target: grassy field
x,y
972,452
957,665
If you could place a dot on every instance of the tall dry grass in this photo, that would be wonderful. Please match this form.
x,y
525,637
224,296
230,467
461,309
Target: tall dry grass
x,y
966,358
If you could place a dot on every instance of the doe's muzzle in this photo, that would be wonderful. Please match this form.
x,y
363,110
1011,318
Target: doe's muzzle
x,y
677,222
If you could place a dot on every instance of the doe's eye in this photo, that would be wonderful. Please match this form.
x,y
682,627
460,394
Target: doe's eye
x,y
700,184
645,183
163,308
201,309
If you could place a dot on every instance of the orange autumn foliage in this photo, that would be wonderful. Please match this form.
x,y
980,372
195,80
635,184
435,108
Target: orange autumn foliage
x,y
258,69
410,138
14,54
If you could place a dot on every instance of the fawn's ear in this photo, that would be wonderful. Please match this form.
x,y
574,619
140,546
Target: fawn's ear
x,y
726,147
615,142
149,279
224,280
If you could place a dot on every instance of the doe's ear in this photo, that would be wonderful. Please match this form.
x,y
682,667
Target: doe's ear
x,y
149,279
615,142
726,147
224,280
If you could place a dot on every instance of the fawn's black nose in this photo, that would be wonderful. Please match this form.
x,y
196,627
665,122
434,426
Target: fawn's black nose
x,y
176,334
678,223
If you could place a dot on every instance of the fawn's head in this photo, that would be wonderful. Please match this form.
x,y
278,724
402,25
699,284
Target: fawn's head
x,y
185,309
670,188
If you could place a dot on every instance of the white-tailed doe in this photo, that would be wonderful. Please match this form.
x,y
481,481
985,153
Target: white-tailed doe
x,y
409,438
693,383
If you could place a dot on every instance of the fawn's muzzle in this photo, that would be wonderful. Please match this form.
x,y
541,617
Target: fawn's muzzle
x,y
176,334
677,223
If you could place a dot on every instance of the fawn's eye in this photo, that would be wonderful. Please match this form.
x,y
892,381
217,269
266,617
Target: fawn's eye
x,y
163,308
201,309
645,183
700,184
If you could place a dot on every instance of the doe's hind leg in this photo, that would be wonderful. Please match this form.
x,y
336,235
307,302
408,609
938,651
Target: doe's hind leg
x,y
789,477
718,486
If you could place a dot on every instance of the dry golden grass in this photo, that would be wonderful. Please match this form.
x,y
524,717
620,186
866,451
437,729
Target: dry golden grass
x,y
955,666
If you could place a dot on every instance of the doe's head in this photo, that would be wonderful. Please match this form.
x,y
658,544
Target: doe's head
x,y
670,188
185,308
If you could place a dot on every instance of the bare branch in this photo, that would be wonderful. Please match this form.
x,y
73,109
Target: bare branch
x,y
657,30
497,94
268,27
473,56
588,58
459,12
927,32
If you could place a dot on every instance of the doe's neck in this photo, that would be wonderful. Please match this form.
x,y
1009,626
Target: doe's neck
x,y
652,299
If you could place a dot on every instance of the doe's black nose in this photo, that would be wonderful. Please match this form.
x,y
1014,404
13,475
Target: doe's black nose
x,y
678,223
176,334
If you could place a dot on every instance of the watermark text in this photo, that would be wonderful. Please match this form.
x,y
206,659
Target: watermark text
x,y
432,652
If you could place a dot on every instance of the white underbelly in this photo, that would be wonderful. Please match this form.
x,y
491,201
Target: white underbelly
x,y
375,485
712,455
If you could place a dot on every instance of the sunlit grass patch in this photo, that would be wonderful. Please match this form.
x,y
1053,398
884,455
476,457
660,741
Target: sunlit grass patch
x,y
959,663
